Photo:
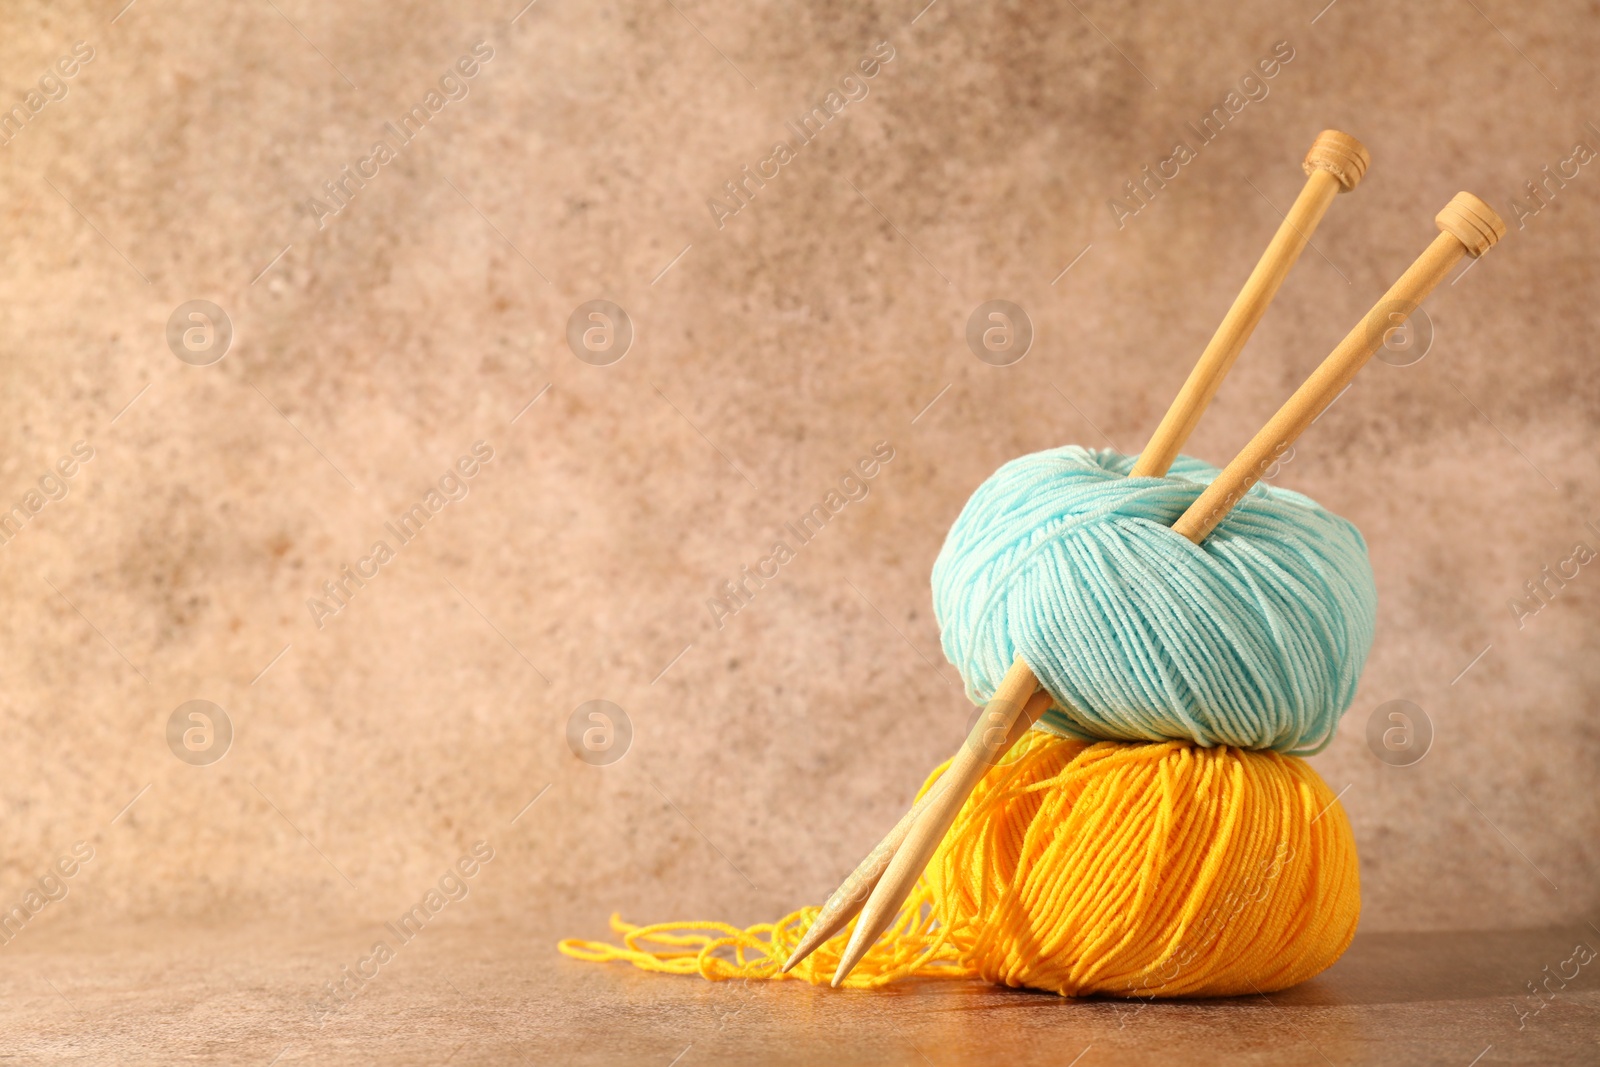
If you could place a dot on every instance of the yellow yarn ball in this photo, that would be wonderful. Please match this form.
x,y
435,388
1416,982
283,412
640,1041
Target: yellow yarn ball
x,y
1112,868
1147,870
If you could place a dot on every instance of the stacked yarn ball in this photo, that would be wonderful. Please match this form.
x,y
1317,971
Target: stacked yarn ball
x,y
1156,834
1255,639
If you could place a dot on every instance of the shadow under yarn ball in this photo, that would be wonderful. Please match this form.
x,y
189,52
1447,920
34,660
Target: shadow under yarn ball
x,y
1255,639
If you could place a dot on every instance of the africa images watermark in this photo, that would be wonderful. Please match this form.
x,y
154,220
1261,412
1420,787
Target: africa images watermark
x,y
742,189
1142,192
50,886
736,593
51,87
54,485
453,85
1542,996
1538,196
452,888
1541,590
452,487
1255,889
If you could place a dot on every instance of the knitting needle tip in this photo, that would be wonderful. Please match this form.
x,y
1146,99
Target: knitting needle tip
x,y
834,916
846,901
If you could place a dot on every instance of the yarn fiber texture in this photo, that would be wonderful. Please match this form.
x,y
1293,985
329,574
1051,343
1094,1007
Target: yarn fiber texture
x,y
1255,638
1125,870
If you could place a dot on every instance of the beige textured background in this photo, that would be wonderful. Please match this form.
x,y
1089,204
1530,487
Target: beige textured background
x,y
769,357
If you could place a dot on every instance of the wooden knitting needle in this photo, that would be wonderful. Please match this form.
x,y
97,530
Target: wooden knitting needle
x,y
847,900
1468,226
1335,163
842,906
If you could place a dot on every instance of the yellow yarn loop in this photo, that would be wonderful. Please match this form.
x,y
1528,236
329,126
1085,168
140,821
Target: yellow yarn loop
x,y
1126,870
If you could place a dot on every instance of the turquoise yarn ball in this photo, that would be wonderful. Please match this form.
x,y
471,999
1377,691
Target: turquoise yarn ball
x,y
1255,638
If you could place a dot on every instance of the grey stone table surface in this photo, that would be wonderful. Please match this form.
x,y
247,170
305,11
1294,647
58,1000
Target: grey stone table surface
x,y
466,993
